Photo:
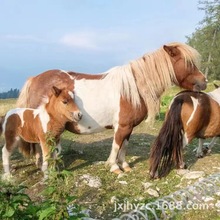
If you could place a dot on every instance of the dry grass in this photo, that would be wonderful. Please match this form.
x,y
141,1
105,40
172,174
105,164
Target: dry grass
x,y
86,155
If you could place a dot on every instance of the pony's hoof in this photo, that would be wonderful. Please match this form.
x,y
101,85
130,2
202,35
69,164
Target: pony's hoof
x,y
200,155
127,169
117,171
206,151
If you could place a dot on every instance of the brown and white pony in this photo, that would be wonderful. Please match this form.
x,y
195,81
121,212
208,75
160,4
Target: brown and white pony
x,y
33,125
123,96
191,115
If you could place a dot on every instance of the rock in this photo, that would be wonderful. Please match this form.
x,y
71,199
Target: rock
x,y
182,172
113,199
123,182
147,185
152,192
92,181
120,175
207,198
193,175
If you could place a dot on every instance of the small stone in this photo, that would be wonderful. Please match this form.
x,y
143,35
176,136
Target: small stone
x,y
147,185
113,199
194,175
152,192
208,198
92,181
123,182
182,172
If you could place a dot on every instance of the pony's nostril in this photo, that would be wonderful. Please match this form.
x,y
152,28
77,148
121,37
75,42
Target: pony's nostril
x,y
80,115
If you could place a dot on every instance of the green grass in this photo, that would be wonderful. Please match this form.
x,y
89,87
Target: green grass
x,y
87,154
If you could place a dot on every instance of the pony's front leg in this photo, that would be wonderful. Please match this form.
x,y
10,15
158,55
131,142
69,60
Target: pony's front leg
x,y
122,133
121,157
112,160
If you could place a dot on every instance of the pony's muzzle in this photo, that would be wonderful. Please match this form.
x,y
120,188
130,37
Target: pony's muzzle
x,y
199,86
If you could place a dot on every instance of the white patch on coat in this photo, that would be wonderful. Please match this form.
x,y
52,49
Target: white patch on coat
x,y
99,103
195,105
215,94
44,117
16,111
185,139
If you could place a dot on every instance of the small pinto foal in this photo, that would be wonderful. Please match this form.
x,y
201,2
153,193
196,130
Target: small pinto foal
x,y
34,125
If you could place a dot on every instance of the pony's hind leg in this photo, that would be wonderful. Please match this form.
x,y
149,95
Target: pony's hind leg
x,y
5,160
207,149
199,152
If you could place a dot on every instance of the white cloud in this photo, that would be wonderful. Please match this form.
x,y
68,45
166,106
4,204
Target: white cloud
x,y
15,37
95,39
85,40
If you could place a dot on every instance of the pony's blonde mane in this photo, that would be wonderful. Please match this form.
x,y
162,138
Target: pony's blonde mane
x,y
123,81
154,73
149,76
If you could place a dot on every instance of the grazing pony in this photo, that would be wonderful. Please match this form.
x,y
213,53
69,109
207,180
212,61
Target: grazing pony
x,y
34,125
191,115
123,96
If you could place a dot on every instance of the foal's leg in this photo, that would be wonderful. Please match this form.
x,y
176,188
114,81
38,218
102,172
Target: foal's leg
x,y
6,153
57,150
45,155
37,154
5,160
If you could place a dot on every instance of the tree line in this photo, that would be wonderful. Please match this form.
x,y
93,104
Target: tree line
x,y
206,38
12,93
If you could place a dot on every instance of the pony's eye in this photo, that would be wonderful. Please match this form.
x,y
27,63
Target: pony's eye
x,y
65,102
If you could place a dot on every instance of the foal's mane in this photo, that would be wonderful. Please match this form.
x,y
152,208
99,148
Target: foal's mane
x,y
149,76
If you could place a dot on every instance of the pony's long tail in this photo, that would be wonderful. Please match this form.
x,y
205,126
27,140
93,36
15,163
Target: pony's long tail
x,y
23,100
166,151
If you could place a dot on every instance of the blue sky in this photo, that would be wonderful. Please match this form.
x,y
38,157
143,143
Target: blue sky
x,y
86,35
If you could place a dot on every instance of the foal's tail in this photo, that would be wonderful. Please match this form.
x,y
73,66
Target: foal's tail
x,y
23,99
2,118
166,151
23,102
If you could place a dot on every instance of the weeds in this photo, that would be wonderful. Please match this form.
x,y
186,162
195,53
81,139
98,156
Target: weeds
x,y
57,201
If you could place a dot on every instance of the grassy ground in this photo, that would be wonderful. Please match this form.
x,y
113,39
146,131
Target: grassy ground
x,y
87,154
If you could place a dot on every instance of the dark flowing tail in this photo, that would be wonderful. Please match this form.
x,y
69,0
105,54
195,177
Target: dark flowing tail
x,y
166,151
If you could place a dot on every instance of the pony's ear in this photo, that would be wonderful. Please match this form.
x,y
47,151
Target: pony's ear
x,y
172,51
56,91
216,86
